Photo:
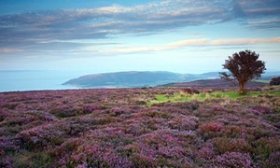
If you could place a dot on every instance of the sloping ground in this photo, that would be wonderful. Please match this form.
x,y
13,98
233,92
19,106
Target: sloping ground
x,y
116,128
126,79
213,84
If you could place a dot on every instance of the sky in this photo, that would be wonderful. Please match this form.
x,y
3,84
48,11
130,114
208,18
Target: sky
x,y
97,36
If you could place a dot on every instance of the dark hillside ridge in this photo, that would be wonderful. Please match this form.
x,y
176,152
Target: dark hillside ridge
x,y
213,84
144,78
126,79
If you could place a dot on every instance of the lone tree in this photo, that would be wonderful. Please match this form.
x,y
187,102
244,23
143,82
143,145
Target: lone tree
x,y
243,66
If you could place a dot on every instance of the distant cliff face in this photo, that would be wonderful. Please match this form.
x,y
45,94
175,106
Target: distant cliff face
x,y
127,79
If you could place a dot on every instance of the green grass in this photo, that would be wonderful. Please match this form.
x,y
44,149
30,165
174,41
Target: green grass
x,y
274,93
184,97
262,81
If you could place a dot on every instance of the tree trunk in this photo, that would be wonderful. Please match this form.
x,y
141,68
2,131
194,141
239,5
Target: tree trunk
x,y
242,90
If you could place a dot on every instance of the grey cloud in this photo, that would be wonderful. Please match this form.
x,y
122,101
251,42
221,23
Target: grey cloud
x,y
258,8
98,23
101,22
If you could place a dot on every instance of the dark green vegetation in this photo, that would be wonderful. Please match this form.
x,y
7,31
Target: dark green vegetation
x,y
157,127
213,83
275,81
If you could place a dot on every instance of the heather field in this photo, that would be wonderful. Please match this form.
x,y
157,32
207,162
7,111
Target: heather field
x,y
149,127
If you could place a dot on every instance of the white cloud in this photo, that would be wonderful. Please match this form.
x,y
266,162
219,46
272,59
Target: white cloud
x,y
188,43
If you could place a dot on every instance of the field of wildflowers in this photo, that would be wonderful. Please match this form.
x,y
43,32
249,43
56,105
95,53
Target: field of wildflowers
x,y
149,127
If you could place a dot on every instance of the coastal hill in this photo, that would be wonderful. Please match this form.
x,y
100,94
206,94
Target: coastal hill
x,y
151,78
129,79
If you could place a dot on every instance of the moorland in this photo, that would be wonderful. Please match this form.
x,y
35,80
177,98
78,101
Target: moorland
x,y
148,127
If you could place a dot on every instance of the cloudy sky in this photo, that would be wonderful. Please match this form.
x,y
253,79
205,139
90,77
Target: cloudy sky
x,y
186,36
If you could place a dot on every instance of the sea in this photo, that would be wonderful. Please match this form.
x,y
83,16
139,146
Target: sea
x,y
36,80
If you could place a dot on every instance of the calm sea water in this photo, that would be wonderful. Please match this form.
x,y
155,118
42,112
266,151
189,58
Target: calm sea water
x,y
35,80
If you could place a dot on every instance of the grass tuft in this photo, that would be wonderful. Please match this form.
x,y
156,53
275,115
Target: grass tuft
x,y
203,96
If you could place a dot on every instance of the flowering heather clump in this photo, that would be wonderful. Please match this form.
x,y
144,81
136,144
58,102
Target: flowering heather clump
x,y
273,160
96,156
136,127
164,144
233,159
119,128
223,145
8,145
206,151
43,135
266,145
183,122
65,150
228,119
211,129
6,162
234,132
260,110
219,108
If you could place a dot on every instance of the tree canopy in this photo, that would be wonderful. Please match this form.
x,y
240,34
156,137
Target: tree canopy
x,y
243,66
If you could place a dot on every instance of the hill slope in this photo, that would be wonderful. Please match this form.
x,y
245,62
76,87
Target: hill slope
x,y
126,79
212,83
145,78
135,79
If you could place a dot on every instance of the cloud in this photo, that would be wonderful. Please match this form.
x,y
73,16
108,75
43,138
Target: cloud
x,y
261,14
260,7
266,23
244,41
191,43
33,28
10,50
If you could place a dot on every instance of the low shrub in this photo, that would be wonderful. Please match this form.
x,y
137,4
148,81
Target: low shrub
x,y
142,161
261,110
43,135
275,81
265,146
29,159
223,145
6,161
233,160
211,129
206,151
273,161
232,131
182,122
